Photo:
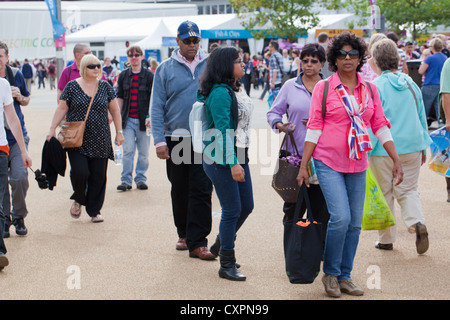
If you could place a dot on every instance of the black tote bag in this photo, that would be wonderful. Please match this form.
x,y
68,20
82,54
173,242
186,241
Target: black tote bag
x,y
303,244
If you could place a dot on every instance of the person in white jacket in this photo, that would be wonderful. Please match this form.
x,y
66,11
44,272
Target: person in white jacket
x,y
6,106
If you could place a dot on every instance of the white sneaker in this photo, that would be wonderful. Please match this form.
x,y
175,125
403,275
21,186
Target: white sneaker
x,y
97,218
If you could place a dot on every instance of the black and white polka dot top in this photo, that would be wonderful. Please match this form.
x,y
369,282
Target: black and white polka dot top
x,y
97,135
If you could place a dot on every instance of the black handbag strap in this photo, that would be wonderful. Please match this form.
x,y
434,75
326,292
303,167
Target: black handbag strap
x,y
289,136
303,196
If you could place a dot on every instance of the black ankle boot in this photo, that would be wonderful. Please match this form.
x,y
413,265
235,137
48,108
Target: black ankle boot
x,y
215,248
228,268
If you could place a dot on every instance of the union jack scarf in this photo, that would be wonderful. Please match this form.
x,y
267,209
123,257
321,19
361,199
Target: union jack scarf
x,y
358,136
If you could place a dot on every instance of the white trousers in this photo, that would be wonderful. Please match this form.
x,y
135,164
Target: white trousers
x,y
406,192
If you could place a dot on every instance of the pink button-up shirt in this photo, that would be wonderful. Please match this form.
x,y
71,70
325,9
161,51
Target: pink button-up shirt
x,y
191,65
332,147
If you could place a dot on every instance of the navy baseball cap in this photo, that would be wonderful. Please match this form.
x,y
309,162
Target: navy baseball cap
x,y
188,29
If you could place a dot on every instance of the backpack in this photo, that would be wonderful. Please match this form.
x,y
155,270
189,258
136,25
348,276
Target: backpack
x,y
198,122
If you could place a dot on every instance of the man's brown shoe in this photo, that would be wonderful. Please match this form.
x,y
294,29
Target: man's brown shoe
x,y
203,253
421,238
181,244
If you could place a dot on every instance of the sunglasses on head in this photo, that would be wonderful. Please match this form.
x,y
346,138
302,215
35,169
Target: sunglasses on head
x,y
313,61
342,54
93,66
188,41
136,55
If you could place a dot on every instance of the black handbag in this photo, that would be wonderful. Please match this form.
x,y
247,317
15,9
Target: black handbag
x,y
303,244
284,180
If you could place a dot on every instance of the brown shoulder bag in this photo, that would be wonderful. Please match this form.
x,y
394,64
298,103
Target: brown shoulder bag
x,y
71,133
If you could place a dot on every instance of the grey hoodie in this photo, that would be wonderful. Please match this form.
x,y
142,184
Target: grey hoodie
x,y
173,94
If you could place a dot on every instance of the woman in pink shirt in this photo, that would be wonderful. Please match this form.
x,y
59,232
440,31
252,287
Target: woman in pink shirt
x,y
338,141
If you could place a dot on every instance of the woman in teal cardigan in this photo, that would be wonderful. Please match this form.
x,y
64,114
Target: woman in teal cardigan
x,y
403,106
225,160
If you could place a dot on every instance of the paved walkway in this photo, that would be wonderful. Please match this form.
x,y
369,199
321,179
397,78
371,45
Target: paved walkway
x,y
132,254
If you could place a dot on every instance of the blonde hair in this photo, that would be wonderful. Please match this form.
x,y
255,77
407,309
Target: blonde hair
x,y
87,60
436,44
153,63
374,38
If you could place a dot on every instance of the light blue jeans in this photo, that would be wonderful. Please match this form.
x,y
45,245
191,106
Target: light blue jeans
x,y
135,139
344,194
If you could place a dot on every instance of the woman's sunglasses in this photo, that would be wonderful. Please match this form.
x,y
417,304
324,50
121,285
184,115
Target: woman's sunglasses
x,y
188,41
93,66
313,61
342,54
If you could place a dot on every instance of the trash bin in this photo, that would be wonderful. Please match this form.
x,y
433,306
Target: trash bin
x,y
413,70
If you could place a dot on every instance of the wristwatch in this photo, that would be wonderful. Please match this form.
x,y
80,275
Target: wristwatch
x,y
120,131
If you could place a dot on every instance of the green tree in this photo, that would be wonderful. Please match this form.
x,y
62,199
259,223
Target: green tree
x,y
283,18
416,16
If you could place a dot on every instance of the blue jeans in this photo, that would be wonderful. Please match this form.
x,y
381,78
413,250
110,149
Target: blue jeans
x,y
430,94
135,138
236,200
344,194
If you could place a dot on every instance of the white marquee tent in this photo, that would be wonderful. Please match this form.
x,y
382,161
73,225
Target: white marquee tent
x,y
148,32
116,32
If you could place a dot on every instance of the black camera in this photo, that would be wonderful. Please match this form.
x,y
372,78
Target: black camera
x,y
41,179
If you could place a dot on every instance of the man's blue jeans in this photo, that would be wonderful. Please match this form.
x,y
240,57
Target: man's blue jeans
x,y
14,204
344,194
135,138
430,95
236,200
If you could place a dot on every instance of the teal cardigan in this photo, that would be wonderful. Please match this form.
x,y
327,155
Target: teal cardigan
x,y
220,137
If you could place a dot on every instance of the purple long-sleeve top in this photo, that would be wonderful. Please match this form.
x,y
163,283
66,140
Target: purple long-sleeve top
x,y
294,101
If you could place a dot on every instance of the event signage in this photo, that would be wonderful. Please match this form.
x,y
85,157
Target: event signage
x,y
226,34
58,28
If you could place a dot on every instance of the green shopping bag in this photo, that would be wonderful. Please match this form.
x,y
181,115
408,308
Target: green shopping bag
x,y
376,215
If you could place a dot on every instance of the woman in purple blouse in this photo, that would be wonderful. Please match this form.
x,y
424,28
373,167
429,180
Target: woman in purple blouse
x,y
294,101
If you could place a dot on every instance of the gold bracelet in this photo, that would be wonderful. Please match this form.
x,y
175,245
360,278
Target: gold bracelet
x,y
302,167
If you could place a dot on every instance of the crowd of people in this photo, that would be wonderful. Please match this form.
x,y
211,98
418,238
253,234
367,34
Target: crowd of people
x,y
349,105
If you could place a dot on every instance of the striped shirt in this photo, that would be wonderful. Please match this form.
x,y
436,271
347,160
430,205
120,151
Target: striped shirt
x,y
133,113
402,60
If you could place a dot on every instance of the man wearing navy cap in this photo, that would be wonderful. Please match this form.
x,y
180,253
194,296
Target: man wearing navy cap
x,y
175,87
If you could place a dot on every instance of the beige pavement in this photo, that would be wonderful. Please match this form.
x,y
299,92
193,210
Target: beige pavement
x,y
132,254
